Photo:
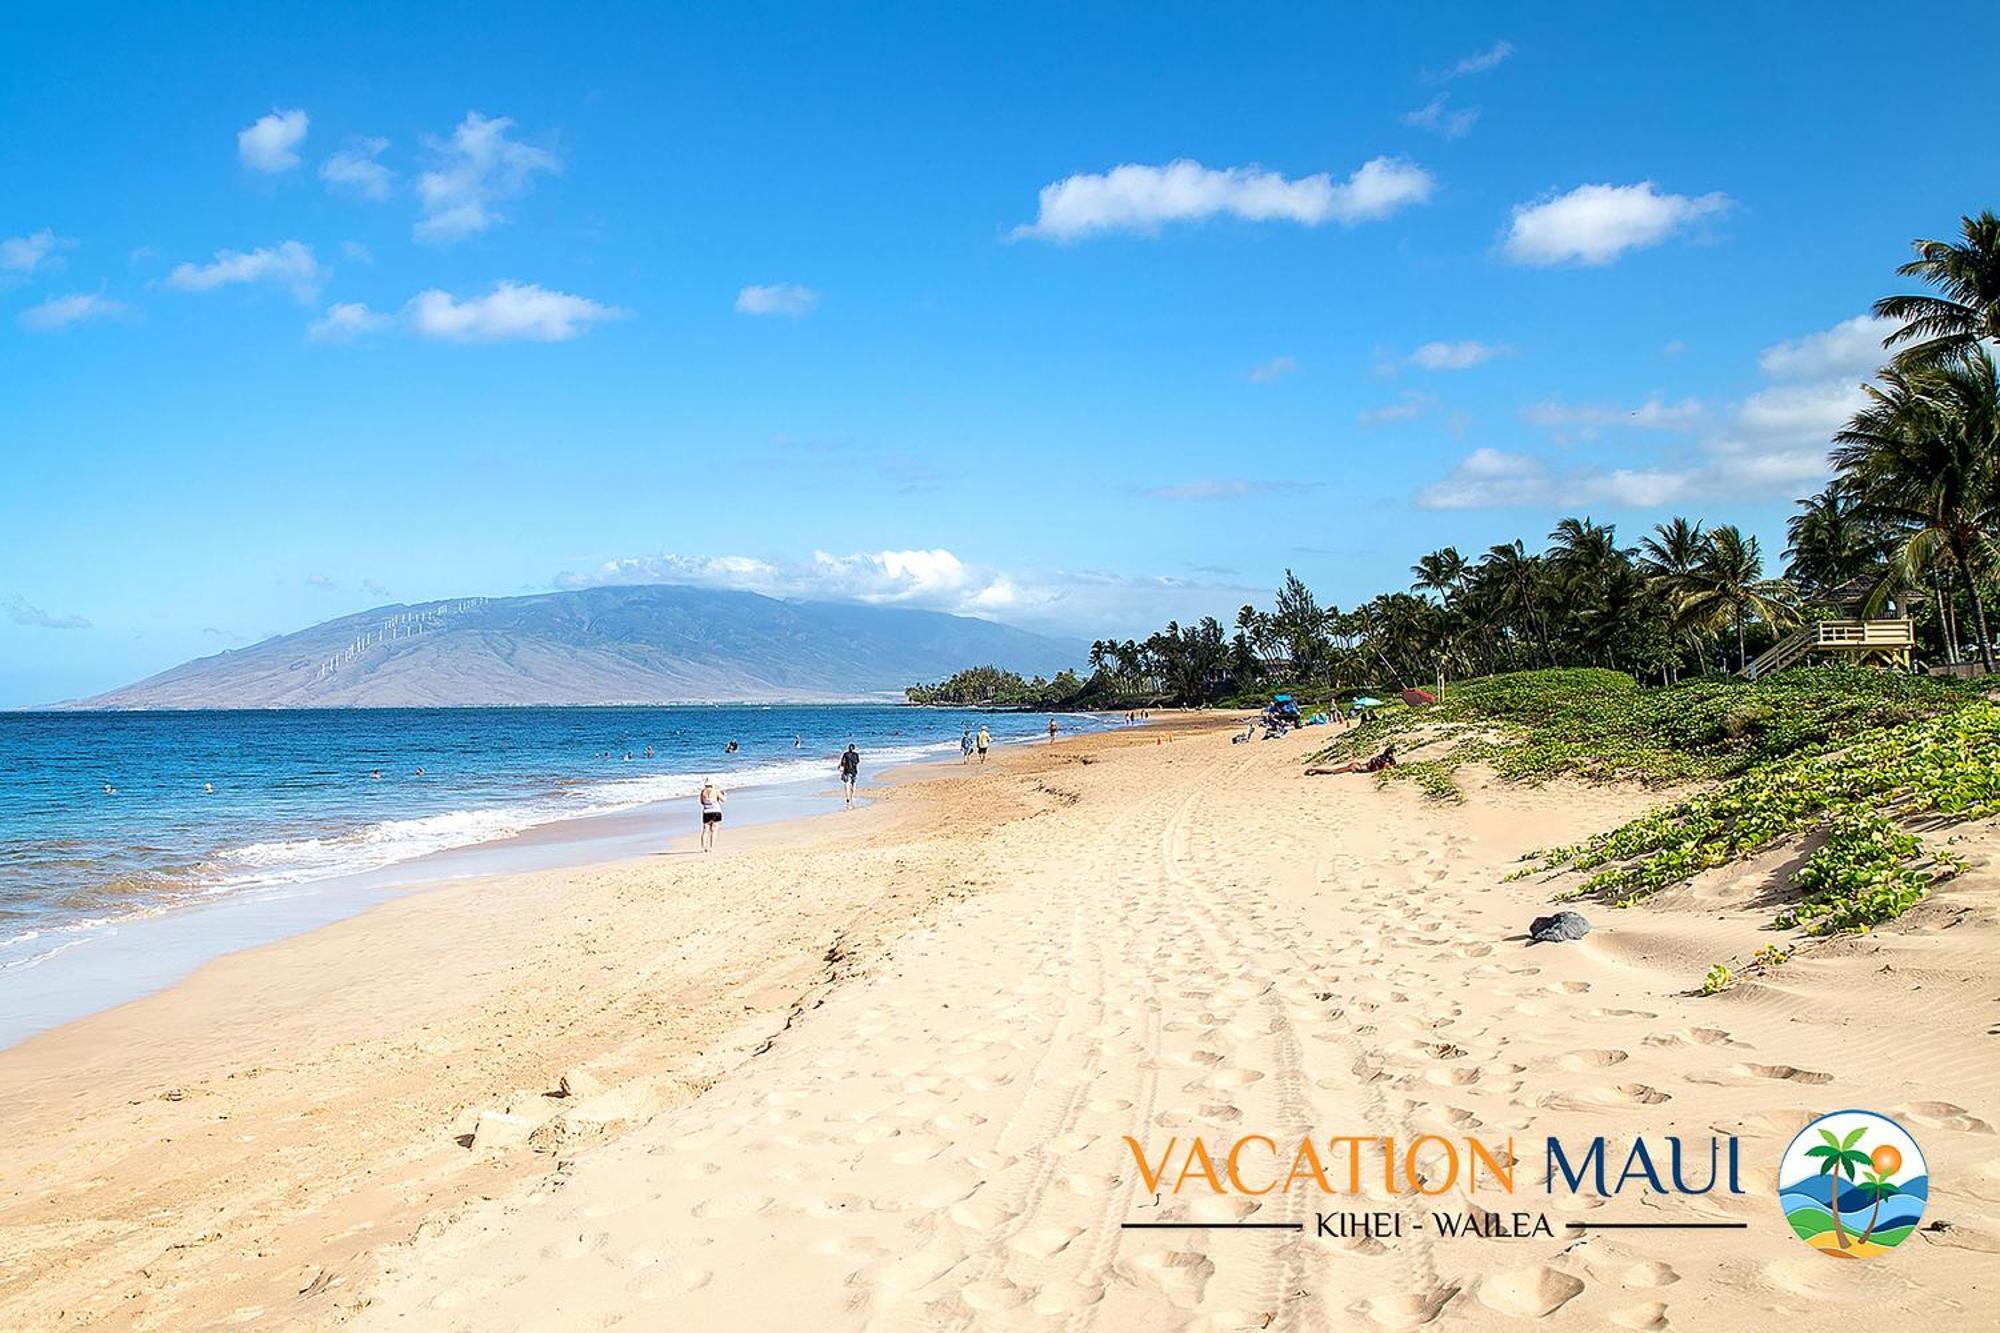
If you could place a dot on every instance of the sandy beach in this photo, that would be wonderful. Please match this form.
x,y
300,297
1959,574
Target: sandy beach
x,y
878,1069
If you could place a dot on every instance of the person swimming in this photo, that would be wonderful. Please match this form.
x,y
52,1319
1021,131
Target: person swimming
x,y
731,748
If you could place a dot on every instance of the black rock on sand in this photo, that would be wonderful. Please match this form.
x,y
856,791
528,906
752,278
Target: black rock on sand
x,y
1555,929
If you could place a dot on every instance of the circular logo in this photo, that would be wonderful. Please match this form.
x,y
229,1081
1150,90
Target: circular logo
x,y
1853,1184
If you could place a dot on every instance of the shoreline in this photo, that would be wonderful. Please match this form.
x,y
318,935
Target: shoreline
x,y
914,1035
140,954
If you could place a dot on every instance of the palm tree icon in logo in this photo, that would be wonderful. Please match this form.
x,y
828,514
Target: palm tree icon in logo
x,y
1825,1185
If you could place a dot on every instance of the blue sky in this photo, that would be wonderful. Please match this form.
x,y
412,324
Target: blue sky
x,y
1075,317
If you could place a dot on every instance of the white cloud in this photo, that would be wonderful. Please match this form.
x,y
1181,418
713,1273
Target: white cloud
x,y
1595,224
1063,601
288,265
345,321
1219,488
936,579
1772,444
477,167
1142,198
1412,406
358,252
1798,411
779,298
59,312
1441,118
1455,356
322,582
25,254
356,169
271,143
1587,420
1851,347
1478,63
21,613
1275,369
510,311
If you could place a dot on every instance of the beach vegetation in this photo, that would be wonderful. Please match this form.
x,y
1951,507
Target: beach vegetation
x,y
1717,980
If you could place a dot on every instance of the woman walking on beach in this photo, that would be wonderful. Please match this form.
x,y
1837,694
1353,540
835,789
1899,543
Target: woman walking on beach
x,y
711,799
965,746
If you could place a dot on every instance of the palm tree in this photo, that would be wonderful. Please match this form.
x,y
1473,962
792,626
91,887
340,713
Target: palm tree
x,y
1669,559
1829,540
1515,580
1925,455
1877,1187
1966,310
1729,586
1443,572
1838,1157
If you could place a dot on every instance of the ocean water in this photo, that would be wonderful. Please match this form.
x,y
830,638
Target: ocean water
x,y
107,819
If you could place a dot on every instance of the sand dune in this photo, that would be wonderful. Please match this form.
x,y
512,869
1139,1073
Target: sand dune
x,y
890,1063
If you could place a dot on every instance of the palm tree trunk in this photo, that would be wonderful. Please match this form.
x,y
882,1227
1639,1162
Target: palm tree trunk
x,y
1873,1214
1839,1231
1742,654
1979,624
1944,626
1978,606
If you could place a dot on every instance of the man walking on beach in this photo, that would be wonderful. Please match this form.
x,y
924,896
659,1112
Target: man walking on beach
x,y
982,740
850,771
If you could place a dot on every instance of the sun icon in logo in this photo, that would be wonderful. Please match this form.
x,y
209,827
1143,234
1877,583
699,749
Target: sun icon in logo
x,y
1853,1184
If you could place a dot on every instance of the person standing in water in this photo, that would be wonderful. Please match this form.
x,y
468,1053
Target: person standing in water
x,y
982,742
850,771
711,799
1052,731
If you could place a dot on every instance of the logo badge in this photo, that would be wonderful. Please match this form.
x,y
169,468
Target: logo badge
x,y
1853,1184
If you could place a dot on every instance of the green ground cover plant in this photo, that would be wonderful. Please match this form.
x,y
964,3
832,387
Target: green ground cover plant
x,y
1856,767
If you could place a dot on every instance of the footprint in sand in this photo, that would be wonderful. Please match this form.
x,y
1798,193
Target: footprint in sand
x,y
1770,1124
1402,1310
1064,1297
996,1294
1593,1059
976,1216
669,1282
1649,1315
1624,1094
1653,1274
1944,1115
1788,1073
1179,1275
1088,1185
1529,1292
1041,1242
732,1205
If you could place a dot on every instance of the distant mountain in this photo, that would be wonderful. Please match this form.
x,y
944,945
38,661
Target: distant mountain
x,y
652,644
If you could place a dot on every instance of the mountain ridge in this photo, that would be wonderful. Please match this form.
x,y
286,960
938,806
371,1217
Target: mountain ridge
x,y
641,644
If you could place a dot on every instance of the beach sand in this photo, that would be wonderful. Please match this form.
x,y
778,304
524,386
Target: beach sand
x,y
875,1070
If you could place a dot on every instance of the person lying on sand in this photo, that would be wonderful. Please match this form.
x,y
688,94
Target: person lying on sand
x,y
1386,759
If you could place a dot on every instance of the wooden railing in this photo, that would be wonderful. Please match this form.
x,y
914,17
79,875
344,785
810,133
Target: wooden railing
x,y
1851,636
